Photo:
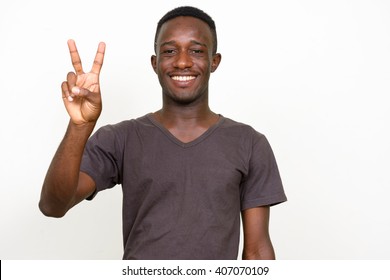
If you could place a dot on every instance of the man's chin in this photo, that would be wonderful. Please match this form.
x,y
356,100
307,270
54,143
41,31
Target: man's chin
x,y
183,98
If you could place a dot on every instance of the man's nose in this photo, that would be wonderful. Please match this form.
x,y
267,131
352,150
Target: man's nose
x,y
183,60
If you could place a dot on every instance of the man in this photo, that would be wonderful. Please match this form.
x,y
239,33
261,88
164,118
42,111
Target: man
x,y
186,172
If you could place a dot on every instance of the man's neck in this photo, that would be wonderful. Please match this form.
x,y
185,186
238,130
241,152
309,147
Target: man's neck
x,y
186,123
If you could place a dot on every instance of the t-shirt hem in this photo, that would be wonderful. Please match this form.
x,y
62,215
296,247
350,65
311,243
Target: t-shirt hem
x,y
91,174
268,201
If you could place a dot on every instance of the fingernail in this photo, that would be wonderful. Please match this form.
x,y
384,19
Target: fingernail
x,y
75,90
70,98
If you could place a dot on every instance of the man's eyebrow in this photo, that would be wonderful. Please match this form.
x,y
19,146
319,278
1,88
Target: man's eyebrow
x,y
173,42
198,43
168,43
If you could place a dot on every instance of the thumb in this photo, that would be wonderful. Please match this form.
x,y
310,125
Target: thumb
x,y
81,92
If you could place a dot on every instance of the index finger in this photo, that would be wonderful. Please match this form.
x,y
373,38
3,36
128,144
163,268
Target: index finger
x,y
98,62
74,55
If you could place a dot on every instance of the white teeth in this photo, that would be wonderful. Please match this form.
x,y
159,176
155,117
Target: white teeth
x,y
183,78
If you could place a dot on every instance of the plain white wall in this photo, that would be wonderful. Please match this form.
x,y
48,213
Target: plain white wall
x,y
314,76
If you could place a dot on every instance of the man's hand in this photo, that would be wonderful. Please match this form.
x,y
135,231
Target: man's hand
x,y
81,91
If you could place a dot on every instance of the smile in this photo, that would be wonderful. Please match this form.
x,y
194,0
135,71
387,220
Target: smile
x,y
183,78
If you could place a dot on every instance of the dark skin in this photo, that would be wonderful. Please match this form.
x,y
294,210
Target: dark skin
x,y
184,52
183,62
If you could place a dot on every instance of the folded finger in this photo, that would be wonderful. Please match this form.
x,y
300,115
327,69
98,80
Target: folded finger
x,y
71,78
98,62
66,92
75,57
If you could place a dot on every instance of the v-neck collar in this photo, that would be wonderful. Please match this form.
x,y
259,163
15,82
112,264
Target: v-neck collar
x,y
175,140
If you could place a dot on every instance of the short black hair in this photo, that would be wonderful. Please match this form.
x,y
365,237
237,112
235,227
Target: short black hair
x,y
190,12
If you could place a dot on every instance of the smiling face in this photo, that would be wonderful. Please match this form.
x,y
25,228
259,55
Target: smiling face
x,y
184,59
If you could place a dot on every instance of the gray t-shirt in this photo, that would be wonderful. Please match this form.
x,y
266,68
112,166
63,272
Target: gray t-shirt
x,y
183,200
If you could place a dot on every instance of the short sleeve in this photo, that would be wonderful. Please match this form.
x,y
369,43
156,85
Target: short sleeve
x,y
102,158
262,185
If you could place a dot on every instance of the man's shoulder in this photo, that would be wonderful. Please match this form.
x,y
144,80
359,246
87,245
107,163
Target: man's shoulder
x,y
122,128
240,127
228,122
129,123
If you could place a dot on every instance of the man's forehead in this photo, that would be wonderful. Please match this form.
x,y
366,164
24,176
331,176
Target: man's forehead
x,y
188,24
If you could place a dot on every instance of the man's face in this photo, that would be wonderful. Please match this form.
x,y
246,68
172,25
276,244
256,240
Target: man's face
x,y
184,59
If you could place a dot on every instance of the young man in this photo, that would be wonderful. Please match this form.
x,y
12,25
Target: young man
x,y
186,172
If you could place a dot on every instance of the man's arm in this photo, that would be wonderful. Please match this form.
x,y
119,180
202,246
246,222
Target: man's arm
x,y
257,241
64,185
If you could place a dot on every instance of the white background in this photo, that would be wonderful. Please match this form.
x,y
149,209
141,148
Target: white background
x,y
313,76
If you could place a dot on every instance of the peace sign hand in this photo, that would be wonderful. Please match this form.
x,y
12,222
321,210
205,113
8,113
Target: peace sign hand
x,y
81,91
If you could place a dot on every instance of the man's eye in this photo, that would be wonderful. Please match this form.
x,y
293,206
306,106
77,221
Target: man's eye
x,y
169,51
197,51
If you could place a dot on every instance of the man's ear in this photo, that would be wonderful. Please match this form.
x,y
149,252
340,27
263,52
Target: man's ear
x,y
216,61
153,61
